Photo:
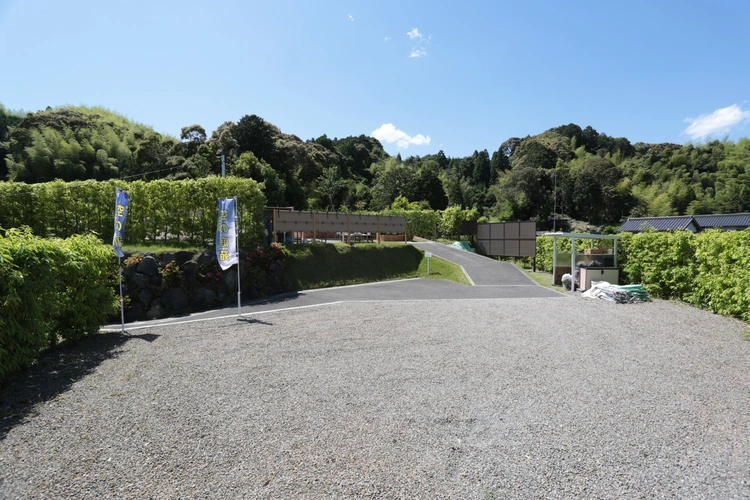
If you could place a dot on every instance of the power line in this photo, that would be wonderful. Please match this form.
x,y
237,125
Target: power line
x,y
149,172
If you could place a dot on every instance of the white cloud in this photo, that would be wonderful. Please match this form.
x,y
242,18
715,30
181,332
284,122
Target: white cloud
x,y
351,18
415,34
421,41
388,133
387,38
717,123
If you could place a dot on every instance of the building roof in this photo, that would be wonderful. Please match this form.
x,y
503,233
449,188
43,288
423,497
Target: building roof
x,y
589,236
733,221
722,220
636,224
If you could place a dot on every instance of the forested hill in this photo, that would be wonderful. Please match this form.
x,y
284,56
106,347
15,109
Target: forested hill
x,y
595,177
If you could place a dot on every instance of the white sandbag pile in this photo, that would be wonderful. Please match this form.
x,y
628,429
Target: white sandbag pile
x,y
625,294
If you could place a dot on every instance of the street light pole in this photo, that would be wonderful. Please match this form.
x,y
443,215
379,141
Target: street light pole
x,y
223,169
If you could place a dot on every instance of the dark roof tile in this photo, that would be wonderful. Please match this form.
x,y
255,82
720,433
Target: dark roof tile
x,y
636,224
722,220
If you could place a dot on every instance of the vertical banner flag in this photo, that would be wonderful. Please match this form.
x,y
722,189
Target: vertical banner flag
x,y
226,235
121,211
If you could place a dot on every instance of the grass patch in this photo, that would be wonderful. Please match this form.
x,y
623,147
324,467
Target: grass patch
x,y
327,265
442,270
160,246
542,278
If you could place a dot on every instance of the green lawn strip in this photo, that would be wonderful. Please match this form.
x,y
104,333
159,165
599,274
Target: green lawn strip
x,y
543,278
442,270
327,265
160,246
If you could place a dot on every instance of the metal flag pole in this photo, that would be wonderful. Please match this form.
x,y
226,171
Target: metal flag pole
x,y
122,302
237,249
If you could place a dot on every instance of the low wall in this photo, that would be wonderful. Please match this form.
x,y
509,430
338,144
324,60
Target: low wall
x,y
171,283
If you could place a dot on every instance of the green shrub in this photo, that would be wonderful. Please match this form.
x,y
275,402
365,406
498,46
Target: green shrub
x,y
453,217
85,275
422,223
722,263
159,210
664,262
50,289
25,273
709,269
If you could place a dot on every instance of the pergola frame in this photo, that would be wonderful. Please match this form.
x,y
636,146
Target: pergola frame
x,y
573,236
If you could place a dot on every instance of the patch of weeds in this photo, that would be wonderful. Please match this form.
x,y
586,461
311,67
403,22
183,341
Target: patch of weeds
x,y
745,334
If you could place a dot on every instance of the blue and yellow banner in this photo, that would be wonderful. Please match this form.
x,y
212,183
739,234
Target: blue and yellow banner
x,y
121,211
226,234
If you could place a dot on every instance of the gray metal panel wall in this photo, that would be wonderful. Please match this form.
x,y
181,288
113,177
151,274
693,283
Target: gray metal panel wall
x,y
339,222
527,248
511,230
497,247
483,247
511,248
527,230
507,239
392,224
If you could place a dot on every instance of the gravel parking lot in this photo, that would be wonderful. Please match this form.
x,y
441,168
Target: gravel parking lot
x,y
557,397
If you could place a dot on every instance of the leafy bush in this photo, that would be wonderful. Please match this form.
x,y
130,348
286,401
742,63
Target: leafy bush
x,y
160,210
50,289
453,217
664,262
422,223
722,264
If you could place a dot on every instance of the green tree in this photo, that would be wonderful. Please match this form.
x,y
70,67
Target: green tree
x,y
258,136
274,187
329,186
192,137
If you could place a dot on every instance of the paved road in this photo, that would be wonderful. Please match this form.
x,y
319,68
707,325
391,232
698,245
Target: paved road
x,y
482,270
493,280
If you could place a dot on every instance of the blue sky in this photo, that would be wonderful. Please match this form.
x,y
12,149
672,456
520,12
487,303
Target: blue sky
x,y
421,76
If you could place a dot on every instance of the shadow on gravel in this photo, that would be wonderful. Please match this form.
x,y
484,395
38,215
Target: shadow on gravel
x,y
277,299
253,320
54,373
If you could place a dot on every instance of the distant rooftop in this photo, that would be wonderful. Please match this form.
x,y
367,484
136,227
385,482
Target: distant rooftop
x,y
692,223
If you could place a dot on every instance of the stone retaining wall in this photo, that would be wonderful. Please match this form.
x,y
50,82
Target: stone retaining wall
x,y
171,283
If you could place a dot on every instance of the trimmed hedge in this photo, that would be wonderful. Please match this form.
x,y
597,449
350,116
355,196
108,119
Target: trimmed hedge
x,y
710,269
177,211
50,289
422,223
